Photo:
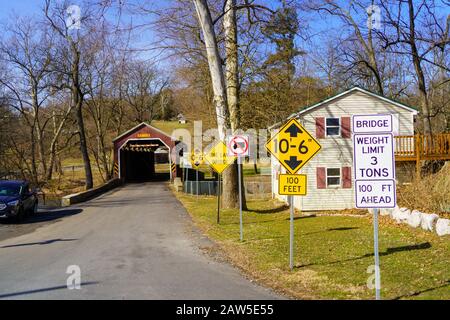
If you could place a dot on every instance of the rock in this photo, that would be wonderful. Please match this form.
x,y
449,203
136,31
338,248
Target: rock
x,y
382,211
415,219
395,212
428,221
401,215
443,227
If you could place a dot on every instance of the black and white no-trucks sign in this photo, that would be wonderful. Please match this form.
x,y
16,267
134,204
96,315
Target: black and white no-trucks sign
x,y
374,162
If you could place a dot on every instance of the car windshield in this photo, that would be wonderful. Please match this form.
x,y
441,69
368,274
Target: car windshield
x,y
9,190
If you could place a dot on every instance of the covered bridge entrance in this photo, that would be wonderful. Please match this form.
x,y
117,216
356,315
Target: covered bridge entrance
x,y
144,153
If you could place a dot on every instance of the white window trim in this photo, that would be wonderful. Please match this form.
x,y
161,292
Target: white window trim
x,y
334,186
340,127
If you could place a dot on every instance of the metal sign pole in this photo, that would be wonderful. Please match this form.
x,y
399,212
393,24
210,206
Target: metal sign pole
x,y
197,180
218,198
186,179
240,199
377,257
291,234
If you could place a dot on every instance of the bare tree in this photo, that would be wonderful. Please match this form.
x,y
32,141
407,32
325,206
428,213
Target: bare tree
x,y
144,86
72,40
28,55
408,35
363,51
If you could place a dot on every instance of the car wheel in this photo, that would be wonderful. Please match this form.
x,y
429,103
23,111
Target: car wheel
x,y
35,208
20,215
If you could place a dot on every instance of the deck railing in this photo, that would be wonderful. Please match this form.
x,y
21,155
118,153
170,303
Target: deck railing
x,y
422,147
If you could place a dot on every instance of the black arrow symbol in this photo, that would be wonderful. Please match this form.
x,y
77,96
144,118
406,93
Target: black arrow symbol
x,y
293,162
293,130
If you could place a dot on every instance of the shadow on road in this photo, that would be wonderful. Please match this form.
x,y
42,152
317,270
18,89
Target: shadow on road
x,y
10,229
15,294
38,243
45,216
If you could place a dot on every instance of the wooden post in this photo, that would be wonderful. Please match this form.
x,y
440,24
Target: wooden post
x,y
417,151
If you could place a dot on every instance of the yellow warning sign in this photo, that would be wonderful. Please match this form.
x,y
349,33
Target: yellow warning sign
x,y
293,146
218,158
292,184
196,158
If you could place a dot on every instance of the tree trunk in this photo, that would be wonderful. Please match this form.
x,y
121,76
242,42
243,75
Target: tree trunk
x,y
230,188
215,66
83,147
34,172
77,97
54,162
425,106
230,185
39,131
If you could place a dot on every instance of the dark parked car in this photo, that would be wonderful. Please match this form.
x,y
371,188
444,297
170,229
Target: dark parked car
x,y
16,200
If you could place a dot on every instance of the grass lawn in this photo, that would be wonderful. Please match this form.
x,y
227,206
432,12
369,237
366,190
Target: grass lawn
x,y
332,253
169,126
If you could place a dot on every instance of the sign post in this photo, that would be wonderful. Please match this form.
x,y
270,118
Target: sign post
x,y
186,165
377,255
291,233
293,147
238,146
219,160
374,169
218,198
196,178
196,161
241,219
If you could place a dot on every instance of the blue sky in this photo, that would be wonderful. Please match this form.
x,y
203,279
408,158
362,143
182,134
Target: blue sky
x,y
28,7
322,29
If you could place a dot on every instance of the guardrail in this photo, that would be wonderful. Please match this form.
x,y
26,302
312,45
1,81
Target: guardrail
x,y
90,194
253,189
422,147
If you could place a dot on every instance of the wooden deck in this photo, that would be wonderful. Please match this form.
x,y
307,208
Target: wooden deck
x,y
422,147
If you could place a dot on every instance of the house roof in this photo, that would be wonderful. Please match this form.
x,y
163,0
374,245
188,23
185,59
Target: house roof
x,y
142,124
351,90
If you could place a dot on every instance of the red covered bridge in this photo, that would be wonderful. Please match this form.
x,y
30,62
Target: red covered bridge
x,y
138,151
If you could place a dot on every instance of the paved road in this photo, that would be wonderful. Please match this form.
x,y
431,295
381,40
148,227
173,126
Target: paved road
x,y
136,242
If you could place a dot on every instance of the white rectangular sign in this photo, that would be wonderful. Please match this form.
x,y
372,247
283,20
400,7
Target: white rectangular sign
x,y
373,161
375,194
373,156
376,123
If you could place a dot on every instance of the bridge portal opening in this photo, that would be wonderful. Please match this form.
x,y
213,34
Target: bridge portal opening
x,y
145,153
144,160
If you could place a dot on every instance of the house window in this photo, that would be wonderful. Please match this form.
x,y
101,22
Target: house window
x,y
333,177
333,127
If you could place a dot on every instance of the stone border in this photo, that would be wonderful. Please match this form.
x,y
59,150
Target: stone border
x,y
415,218
90,194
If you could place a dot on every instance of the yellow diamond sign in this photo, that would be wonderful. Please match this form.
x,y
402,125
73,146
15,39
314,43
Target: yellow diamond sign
x,y
293,146
218,158
196,158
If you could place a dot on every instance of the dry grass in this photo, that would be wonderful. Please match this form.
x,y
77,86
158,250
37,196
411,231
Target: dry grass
x,y
68,183
429,194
